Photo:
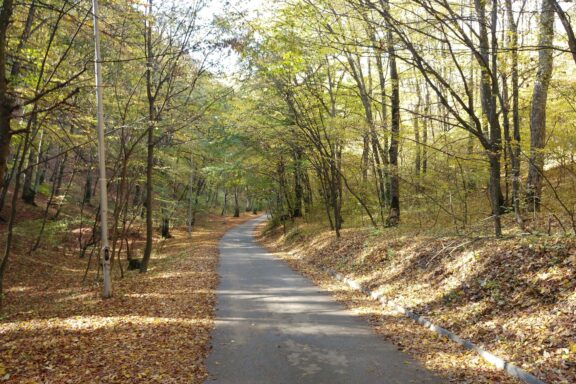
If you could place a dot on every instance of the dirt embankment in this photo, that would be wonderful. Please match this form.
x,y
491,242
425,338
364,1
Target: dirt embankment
x,y
514,297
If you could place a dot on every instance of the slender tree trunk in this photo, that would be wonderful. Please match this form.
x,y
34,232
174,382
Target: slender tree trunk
x,y
9,177
87,196
28,187
394,214
66,191
418,156
60,174
149,192
425,133
538,112
515,144
236,203
49,203
150,143
377,151
166,228
488,93
281,170
365,157
225,204
323,176
334,194
384,123
13,209
6,101
298,189
189,220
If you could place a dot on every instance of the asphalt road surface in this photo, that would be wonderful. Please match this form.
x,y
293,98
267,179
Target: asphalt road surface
x,y
274,326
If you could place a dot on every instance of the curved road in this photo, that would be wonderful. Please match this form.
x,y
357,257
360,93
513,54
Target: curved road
x,y
274,326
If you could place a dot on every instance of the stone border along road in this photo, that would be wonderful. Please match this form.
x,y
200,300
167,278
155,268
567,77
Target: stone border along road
x,y
273,326
498,362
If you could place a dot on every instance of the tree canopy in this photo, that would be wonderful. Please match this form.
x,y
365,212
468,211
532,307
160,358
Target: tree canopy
x,y
411,114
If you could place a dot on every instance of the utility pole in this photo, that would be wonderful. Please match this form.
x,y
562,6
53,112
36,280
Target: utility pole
x,y
105,252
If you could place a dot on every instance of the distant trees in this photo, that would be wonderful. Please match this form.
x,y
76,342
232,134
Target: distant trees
x,y
169,38
159,90
421,113
424,96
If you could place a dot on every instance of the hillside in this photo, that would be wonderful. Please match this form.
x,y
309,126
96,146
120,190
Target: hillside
x,y
514,297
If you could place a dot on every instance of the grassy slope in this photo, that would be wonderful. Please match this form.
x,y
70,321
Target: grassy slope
x,y
514,297
154,329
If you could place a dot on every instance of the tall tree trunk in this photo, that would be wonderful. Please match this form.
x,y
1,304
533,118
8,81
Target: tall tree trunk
x,y
13,209
87,196
394,214
334,195
488,93
150,142
377,150
189,219
225,204
165,231
29,185
425,133
308,198
66,191
323,176
418,156
60,175
365,156
384,123
515,144
236,203
6,101
538,112
149,192
9,176
298,189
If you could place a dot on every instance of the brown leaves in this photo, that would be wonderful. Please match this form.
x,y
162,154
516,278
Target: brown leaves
x,y
515,297
155,329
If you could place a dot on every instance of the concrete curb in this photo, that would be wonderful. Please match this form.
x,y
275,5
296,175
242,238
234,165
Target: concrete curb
x,y
498,362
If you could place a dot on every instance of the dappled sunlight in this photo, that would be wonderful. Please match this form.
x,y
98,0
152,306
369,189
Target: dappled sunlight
x,y
154,329
482,289
328,325
177,274
78,296
92,323
19,289
52,347
170,294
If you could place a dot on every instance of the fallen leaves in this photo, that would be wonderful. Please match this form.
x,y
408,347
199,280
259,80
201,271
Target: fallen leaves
x,y
515,297
155,329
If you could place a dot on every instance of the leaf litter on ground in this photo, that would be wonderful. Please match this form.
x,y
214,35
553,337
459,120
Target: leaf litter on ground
x,y
155,329
514,297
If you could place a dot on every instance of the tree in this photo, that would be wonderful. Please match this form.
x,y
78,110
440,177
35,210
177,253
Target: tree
x,y
538,111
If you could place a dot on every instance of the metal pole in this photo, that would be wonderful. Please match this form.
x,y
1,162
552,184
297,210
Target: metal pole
x,y
105,253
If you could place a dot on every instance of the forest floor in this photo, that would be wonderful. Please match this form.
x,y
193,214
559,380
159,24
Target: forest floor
x,y
56,329
514,297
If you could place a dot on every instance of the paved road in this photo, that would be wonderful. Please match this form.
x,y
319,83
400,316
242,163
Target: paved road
x,y
275,327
